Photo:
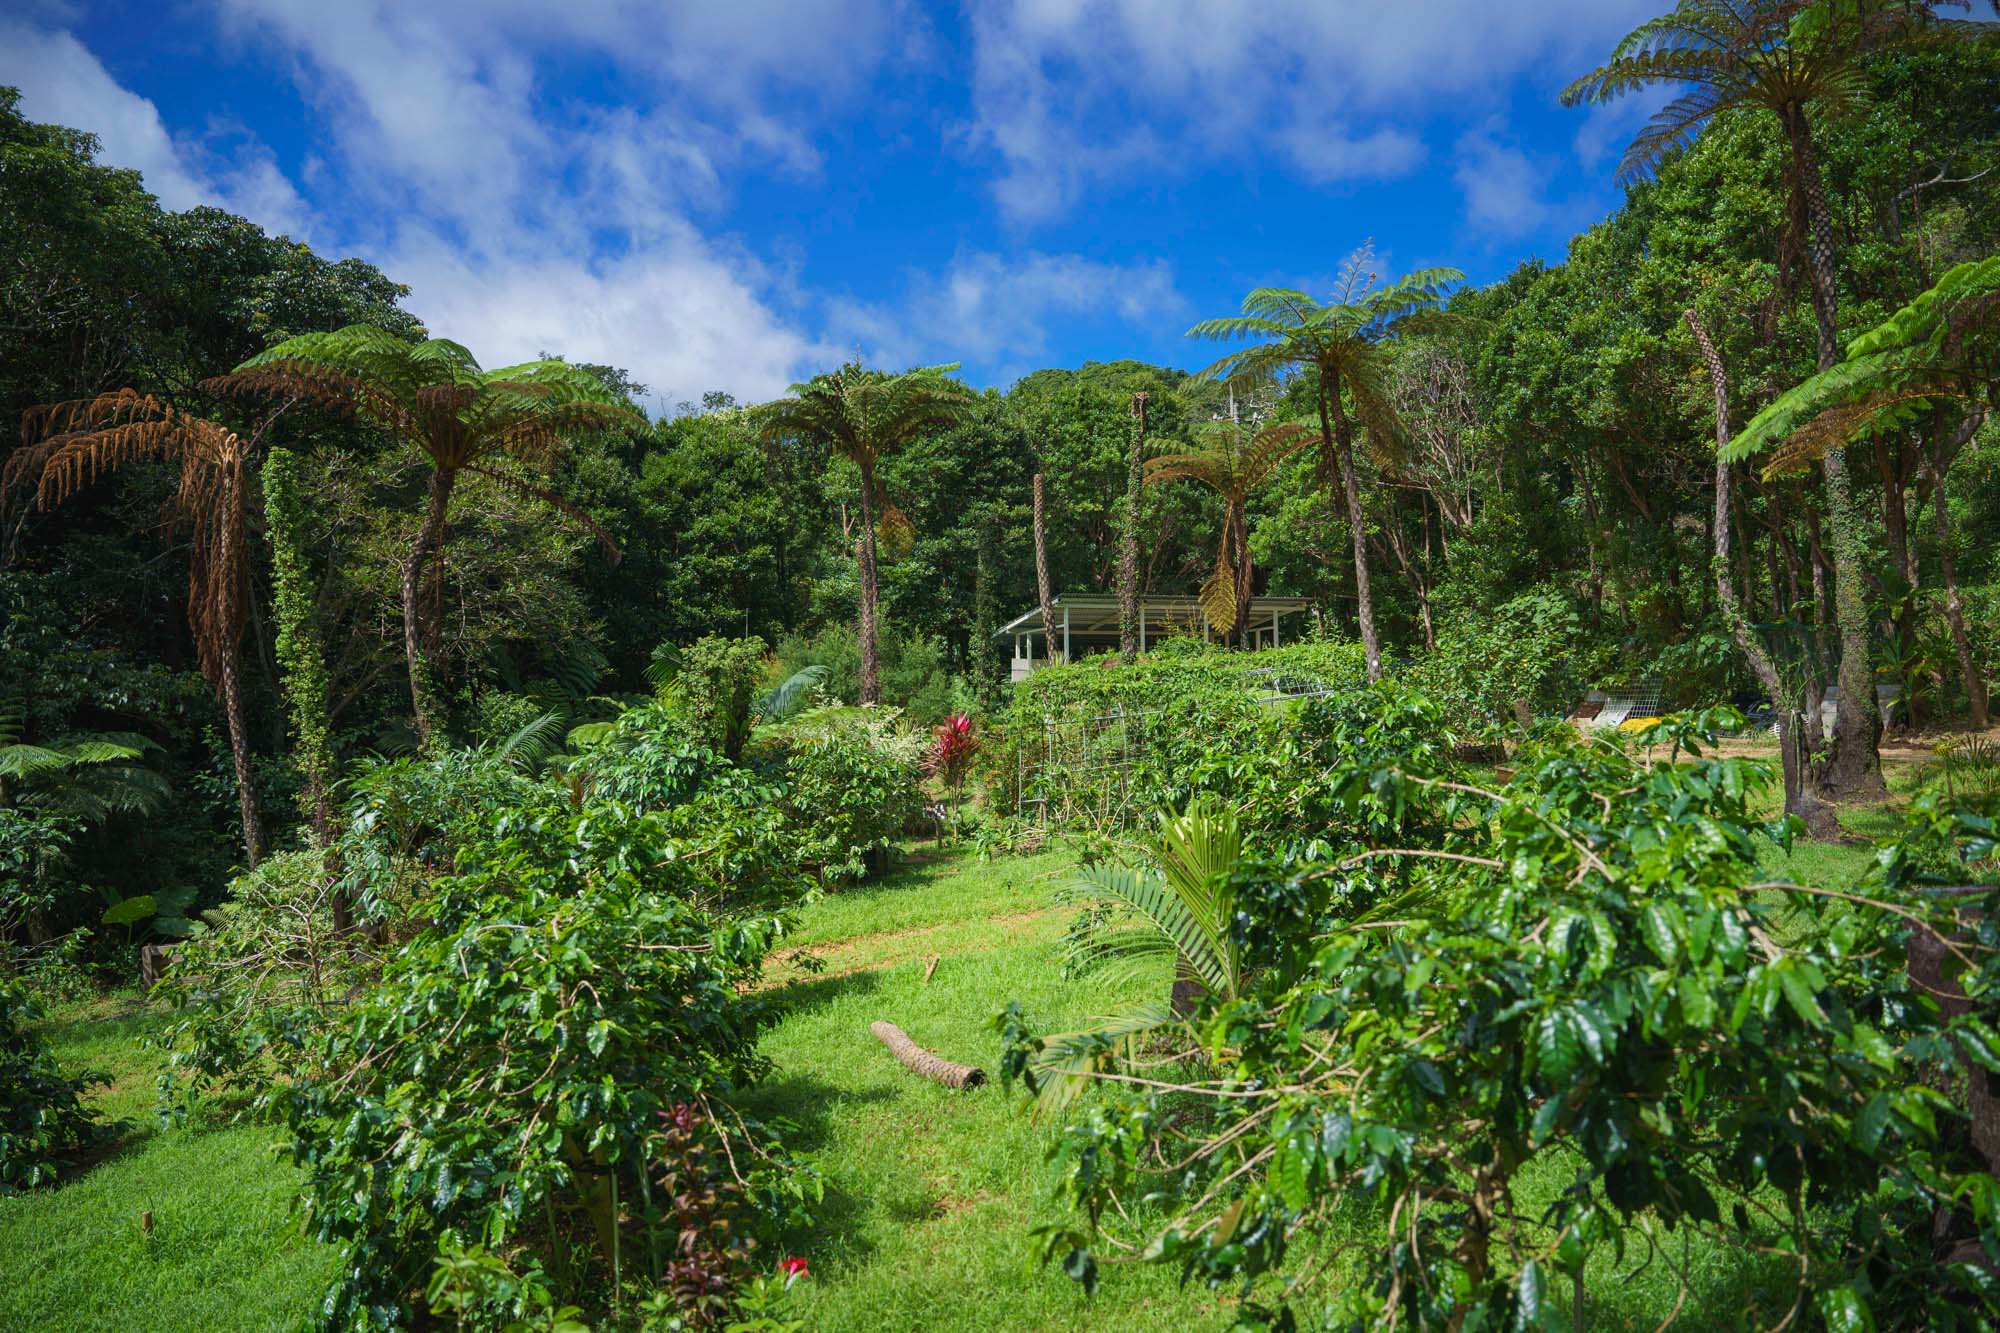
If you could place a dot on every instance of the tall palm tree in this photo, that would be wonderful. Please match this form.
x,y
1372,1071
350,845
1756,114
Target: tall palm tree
x,y
1232,462
433,397
1794,59
69,445
1342,341
864,416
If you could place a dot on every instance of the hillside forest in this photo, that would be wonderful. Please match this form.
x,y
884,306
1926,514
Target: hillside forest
x,y
481,765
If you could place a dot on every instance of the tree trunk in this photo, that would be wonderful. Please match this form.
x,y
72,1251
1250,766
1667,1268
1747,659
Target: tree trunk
x,y
864,557
229,671
920,1061
416,629
1342,435
1128,554
1800,799
1236,535
239,754
1590,522
1954,609
1042,590
1855,768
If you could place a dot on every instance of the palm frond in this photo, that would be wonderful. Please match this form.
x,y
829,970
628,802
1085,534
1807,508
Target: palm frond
x,y
1066,1063
533,743
795,689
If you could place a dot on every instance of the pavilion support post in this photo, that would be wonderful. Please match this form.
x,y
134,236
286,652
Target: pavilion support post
x,y
1274,629
1066,657
1142,627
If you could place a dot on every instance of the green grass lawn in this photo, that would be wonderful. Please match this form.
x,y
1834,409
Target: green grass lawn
x,y
222,1253
931,1193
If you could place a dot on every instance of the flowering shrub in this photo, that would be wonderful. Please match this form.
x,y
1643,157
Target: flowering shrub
x,y
953,746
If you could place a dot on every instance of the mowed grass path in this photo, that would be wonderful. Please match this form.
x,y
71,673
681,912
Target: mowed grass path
x,y
932,1193
223,1251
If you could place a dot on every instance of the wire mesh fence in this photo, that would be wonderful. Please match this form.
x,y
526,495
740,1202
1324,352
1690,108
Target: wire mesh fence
x,y
1079,771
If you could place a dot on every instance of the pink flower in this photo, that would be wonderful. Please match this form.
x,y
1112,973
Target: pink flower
x,y
793,1268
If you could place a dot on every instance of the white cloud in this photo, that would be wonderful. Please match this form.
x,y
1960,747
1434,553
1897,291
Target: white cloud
x,y
682,315
1000,313
1070,94
62,83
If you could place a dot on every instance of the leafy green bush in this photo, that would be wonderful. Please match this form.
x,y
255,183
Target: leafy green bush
x,y
262,975
1534,648
852,784
42,1115
504,1084
1091,743
915,675
715,688
1600,991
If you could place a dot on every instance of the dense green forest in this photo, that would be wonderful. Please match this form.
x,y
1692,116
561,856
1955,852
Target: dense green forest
x,y
395,691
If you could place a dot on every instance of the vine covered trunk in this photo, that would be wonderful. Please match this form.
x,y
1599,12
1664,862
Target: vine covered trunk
x,y
416,629
1854,768
864,552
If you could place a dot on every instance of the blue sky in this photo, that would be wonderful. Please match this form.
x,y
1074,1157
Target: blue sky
x,y
735,193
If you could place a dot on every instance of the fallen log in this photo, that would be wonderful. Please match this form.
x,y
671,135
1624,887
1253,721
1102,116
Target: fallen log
x,y
920,1061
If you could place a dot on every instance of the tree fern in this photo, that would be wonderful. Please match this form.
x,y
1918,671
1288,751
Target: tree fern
x,y
1945,344
433,396
1342,341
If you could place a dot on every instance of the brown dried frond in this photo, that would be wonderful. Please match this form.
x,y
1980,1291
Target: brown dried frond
x,y
327,386
41,422
87,438
1836,426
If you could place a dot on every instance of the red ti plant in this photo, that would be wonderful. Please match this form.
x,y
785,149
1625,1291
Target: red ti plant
x,y
952,748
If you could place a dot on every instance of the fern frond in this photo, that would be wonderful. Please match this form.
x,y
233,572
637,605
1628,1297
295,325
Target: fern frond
x,y
1064,1066
532,744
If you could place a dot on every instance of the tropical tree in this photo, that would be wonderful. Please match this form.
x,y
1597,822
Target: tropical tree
x,y
1343,342
864,415
1232,462
1940,351
69,445
433,397
1794,59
